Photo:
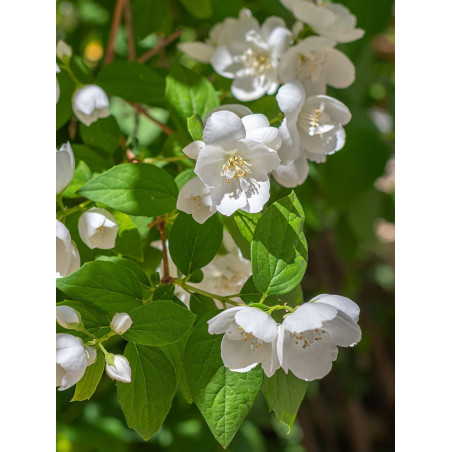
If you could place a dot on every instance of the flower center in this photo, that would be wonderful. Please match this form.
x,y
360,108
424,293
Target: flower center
x,y
306,338
198,199
235,167
315,121
254,342
100,229
310,65
258,63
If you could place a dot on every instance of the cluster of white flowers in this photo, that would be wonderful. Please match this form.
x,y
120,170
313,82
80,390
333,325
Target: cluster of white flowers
x,y
305,343
259,59
73,356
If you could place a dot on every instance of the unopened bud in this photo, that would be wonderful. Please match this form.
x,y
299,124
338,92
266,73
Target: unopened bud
x,y
68,317
121,322
118,368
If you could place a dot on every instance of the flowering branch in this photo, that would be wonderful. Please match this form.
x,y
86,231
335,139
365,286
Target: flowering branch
x,y
159,46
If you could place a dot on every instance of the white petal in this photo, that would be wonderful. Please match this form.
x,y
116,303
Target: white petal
x,y
70,353
69,379
203,213
316,16
255,121
248,88
238,356
291,97
223,62
228,197
339,70
199,51
292,174
223,128
65,165
260,156
74,264
239,110
268,135
257,195
343,304
258,323
121,322
209,165
67,316
309,316
120,369
221,322
343,330
270,364
192,150
290,148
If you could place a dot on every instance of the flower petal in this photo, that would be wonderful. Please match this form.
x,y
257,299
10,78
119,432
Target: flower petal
x,y
193,149
258,323
257,194
239,110
221,322
291,97
343,330
223,128
309,316
343,304
339,70
248,88
238,356
292,174
199,51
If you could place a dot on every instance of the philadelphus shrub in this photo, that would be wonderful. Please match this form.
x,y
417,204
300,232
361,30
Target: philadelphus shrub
x,y
188,250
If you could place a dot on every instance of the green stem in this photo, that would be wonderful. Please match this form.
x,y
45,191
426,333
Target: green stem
x,y
163,159
264,296
278,307
67,68
67,212
189,288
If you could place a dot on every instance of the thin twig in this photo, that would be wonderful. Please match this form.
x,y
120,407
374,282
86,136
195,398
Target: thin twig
x,y
128,22
166,278
140,109
159,46
117,14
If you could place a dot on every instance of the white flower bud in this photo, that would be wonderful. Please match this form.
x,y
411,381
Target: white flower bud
x,y
68,317
57,84
118,368
98,228
65,166
90,103
72,359
121,322
67,256
63,50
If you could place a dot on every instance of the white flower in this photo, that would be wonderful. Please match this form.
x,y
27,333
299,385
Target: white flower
x,y
63,50
233,161
98,228
316,64
67,256
311,130
57,84
89,103
118,368
249,339
68,317
331,20
72,359
65,165
308,338
121,322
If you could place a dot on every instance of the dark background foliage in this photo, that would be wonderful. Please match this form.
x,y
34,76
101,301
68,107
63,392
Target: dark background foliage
x,y
349,206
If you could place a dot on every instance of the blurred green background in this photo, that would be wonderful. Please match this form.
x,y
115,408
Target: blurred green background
x,y
349,206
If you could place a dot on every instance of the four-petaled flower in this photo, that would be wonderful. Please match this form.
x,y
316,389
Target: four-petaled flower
x,y
249,339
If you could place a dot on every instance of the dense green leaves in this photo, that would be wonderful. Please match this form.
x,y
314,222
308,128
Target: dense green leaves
x,y
159,323
187,94
195,127
147,399
134,189
284,394
223,397
279,250
103,133
132,81
106,286
201,9
193,245
86,387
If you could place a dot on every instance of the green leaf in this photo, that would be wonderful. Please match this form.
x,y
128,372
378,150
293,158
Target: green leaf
x,y
175,353
132,81
148,16
284,394
95,322
134,189
86,387
106,286
128,240
279,250
182,178
80,70
82,175
159,323
146,400
64,104
188,93
195,127
201,305
193,245
241,226
201,9
139,273
103,134
223,397
95,158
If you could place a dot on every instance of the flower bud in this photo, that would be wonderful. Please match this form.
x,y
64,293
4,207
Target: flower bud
x,y
67,256
90,103
98,228
57,84
68,317
121,322
65,166
63,50
118,368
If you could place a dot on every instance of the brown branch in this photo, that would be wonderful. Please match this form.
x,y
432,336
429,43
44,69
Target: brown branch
x,y
117,14
159,46
163,127
128,22
166,278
